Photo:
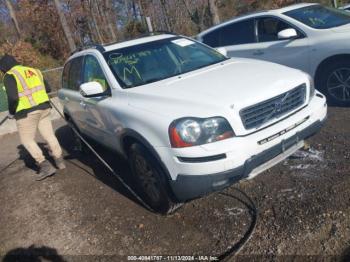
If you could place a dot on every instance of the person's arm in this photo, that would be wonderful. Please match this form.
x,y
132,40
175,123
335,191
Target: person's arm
x,y
12,93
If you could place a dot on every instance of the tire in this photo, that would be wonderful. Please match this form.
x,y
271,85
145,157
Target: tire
x,y
150,180
334,81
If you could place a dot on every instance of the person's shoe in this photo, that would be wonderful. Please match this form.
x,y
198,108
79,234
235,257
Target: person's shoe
x,y
59,162
45,170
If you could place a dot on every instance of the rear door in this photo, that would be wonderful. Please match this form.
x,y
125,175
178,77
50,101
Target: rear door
x,y
237,38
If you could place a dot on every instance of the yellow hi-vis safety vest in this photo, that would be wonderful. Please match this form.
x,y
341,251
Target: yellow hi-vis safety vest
x,y
30,86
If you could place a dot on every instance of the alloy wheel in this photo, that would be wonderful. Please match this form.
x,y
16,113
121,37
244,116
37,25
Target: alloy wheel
x,y
147,177
338,84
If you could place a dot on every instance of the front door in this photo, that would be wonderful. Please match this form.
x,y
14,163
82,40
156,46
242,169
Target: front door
x,y
294,53
97,112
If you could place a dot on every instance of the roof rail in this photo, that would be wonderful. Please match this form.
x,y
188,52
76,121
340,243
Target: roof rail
x,y
152,34
142,35
98,47
161,32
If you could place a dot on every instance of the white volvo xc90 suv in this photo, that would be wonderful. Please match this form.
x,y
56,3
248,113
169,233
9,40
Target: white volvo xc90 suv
x,y
309,37
189,120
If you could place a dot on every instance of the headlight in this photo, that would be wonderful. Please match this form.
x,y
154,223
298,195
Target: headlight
x,y
186,132
312,87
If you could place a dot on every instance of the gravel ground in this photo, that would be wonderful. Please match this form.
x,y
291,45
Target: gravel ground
x,y
84,214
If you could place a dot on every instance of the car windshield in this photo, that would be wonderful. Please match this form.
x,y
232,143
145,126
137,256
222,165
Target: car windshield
x,y
320,17
153,61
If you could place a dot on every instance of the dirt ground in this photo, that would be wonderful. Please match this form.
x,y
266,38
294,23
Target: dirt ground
x,y
84,214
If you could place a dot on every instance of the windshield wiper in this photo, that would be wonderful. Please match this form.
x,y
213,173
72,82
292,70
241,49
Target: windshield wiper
x,y
143,83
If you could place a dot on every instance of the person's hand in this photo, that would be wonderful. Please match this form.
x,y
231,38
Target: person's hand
x,y
9,116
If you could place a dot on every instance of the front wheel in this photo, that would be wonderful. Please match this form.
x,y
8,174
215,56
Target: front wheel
x,y
150,179
334,82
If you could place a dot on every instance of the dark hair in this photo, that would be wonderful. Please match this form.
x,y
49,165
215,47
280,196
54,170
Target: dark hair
x,y
7,62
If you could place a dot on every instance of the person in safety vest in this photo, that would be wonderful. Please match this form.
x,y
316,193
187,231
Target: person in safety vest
x,y
29,104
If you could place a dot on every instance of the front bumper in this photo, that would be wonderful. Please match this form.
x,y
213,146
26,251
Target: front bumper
x,y
187,187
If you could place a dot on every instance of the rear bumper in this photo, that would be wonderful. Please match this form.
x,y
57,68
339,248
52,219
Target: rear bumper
x,y
187,187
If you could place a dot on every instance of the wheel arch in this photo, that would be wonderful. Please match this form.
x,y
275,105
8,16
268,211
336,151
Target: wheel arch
x,y
131,136
329,60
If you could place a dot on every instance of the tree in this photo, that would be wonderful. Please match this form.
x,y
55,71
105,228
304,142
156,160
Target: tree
x,y
13,17
92,7
214,11
38,21
194,16
65,26
165,15
110,20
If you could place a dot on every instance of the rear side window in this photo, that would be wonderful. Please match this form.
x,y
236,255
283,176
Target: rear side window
x,y
232,34
72,74
238,33
213,38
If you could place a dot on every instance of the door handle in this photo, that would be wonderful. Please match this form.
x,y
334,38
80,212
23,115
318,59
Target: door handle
x,y
258,52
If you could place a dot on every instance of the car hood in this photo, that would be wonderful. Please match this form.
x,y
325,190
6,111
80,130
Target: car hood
x,y
231,85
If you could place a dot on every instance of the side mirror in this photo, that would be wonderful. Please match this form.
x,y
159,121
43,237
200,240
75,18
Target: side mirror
x,y
91,89
289,33
222,51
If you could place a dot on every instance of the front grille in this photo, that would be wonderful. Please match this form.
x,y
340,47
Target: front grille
x,y
261,113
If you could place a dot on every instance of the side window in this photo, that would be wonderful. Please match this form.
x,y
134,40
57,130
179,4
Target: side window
x,y
93,72
74,78
269,27
213,38
238,33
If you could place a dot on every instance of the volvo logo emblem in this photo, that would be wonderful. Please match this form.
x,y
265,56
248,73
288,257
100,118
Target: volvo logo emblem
x,y
278,106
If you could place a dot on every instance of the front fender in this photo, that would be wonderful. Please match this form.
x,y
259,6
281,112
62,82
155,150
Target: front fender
x,y
130,136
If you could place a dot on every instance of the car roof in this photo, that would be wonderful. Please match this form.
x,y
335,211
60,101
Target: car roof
x,y
141,40
293,7
118,45
259,13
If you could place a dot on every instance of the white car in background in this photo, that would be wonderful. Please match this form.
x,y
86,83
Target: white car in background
x,y
309,37
346,8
